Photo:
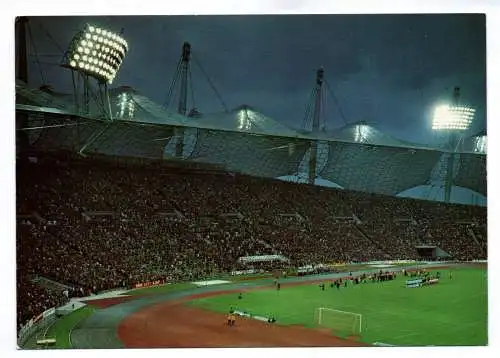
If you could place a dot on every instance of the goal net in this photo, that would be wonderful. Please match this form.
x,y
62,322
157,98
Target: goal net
x,y
339,321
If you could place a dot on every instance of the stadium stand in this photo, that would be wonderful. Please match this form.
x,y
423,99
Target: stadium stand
x,y
95,223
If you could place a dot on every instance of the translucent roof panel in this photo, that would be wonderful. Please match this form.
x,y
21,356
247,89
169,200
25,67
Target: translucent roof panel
x,y
37,97
259,155
54,131
131,139
378,169
48,131
472,172
354,164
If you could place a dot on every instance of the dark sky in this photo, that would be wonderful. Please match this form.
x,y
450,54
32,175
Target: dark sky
x,y
389,70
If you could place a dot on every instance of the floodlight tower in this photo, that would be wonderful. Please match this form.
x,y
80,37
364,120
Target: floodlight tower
x,y
184,70
94,54
182,73
315,125
455,120
181,109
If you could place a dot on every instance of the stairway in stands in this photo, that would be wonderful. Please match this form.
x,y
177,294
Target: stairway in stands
x,y
374,242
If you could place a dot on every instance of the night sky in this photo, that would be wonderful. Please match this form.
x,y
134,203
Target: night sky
x,y
389,70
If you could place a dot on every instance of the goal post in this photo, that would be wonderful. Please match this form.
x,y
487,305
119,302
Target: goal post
x,y
339,321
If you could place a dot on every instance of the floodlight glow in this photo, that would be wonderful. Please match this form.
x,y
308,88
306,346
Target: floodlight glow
x,y
126,106
98,53
361,133
480,144
457,118
244,120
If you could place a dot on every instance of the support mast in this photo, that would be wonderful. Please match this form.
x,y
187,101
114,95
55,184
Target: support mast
x,y
182,107
448,184
315,126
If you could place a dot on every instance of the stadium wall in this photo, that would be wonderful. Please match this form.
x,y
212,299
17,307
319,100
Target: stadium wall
x,y
43,321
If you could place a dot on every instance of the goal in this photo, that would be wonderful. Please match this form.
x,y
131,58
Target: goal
x,y
339,321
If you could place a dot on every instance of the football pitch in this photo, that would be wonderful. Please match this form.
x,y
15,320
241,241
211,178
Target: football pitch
x,y
452,312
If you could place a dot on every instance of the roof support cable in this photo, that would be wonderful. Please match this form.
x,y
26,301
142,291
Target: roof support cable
x,y
172,85
51,38
32,41
211,84
336,103
307,115
192,88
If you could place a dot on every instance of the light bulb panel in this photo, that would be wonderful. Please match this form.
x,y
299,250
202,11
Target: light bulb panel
x,y
453,118
97,52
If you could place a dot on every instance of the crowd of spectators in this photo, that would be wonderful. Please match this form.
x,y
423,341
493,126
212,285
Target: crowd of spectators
x,y
94,225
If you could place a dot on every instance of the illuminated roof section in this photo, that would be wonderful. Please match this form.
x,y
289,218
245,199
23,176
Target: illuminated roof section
x,y
480,144
245,119
477,143
362,132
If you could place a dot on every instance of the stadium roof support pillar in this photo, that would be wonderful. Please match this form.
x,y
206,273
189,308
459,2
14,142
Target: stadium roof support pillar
x,y
185,57
182,107
454,142
448,183
315,126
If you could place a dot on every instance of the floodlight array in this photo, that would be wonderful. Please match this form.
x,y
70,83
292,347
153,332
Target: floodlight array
x,y
97,52
457,118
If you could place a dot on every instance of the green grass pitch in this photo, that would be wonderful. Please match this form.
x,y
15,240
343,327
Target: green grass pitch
x,y
453,312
